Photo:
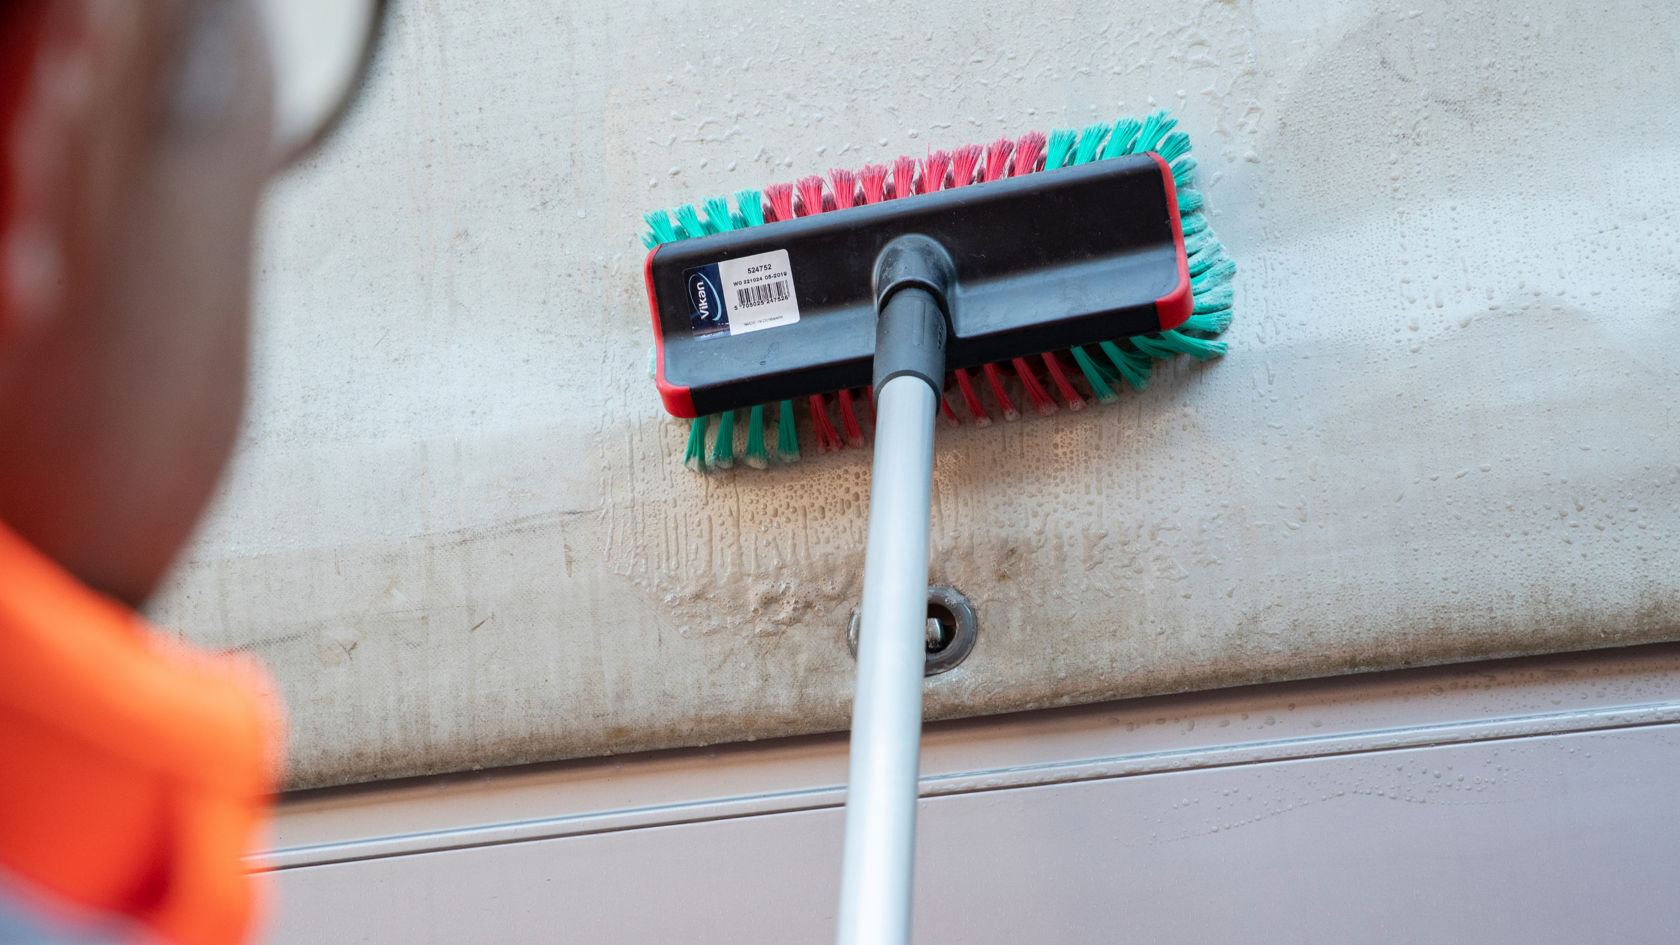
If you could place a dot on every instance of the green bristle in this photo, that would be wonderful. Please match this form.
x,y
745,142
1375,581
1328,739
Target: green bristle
x,y
1189,201
756,455
1214,299
1110,376
1152,347
689,219
1170,343
1219,272
1125,130
1154,127
1193,223
695,458
1201,262
1135,368
659,228
1056,150
718,217
1173,147
1196,242
723,448
1089,141
751,203
1184,171
787,435
1202,349
1212,323
739,221
1105,394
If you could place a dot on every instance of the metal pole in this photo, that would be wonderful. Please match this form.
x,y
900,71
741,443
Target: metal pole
x,y
875,878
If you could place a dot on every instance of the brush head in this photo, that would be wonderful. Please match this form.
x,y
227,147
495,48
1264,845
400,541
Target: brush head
x,y
1081,258
1043,261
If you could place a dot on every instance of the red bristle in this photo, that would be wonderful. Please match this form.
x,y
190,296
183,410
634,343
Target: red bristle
x,y
810,195
828,202
849,420
827,439
869,392
997,158
994,377
904,177
781,202
1028,152
1035,391
963,162
950,415
1074,401
933,170
845,187
873,177
971,400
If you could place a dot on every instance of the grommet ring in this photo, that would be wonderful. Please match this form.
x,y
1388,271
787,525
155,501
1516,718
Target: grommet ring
x,y
951,629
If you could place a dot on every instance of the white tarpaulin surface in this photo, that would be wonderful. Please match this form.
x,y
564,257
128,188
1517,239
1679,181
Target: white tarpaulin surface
x,y
459,532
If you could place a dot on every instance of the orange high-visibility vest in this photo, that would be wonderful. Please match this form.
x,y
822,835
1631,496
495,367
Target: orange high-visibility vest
x,y
134,770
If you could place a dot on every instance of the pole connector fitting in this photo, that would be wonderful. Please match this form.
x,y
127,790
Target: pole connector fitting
x,y
913,279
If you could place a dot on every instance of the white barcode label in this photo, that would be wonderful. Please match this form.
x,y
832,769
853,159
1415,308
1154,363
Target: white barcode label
x,y
760,291
753,295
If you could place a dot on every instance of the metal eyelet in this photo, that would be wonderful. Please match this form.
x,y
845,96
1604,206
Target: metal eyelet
x,y
951,629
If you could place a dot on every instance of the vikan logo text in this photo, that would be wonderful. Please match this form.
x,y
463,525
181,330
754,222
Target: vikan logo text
x,y
708,312
705,296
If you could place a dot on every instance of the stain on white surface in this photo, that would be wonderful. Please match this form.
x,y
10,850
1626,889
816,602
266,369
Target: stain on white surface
x,y
459,531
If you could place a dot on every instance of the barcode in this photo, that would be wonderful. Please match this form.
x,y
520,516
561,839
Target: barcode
x,y
749,296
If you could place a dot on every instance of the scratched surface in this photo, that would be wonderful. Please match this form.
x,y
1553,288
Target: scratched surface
x,y
457,528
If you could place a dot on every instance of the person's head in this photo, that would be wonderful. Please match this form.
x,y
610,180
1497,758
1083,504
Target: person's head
x,y
135,138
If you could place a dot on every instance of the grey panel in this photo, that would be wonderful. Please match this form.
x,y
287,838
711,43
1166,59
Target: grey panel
x,y
1545,839
1471,803
1514,843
